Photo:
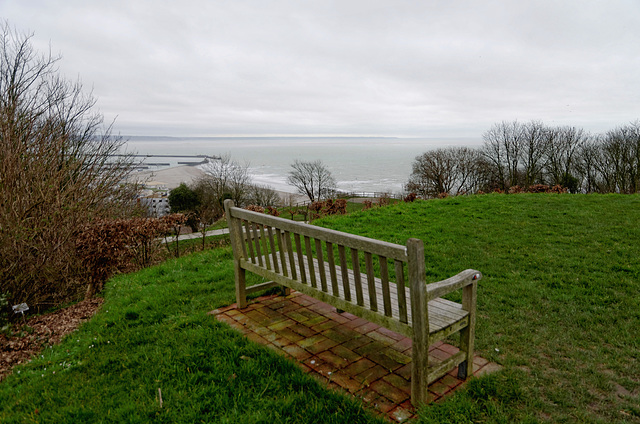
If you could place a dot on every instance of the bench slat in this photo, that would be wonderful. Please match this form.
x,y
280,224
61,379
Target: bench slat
x,y
263,239
303,273
384,280
371,281
332,269
443,313
357,278
310,262
400,293
321,270
377,247
344,271
248,239
289,247
273,249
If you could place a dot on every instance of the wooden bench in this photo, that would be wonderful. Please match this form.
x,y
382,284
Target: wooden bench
x,y
381,282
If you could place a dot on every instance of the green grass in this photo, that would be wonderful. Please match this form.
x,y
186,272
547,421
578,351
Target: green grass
x,y
559,305
153,332
559,308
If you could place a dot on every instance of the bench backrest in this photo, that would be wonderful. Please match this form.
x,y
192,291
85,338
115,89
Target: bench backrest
x,y
339,264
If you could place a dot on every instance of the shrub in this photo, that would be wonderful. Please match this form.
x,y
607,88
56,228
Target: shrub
x,y
57,172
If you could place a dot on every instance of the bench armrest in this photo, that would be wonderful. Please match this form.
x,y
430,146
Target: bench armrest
x,y
456,282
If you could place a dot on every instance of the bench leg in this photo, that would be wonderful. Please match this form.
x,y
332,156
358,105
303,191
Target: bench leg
x,y
465,368
286,291
419,374
241,285
467,334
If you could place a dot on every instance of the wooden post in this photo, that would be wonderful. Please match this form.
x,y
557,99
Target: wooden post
x,y
467,334
235,233
420,322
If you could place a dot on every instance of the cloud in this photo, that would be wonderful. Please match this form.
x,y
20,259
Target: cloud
x,y
345,67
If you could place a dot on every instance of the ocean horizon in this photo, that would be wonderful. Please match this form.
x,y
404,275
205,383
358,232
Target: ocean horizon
x,y
359,164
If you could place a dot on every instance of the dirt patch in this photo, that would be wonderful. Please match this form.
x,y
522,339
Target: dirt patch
x,y
42,331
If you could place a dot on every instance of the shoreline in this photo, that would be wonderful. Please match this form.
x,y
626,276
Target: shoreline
x,y
172,177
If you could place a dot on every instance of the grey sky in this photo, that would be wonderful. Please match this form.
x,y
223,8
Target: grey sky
x,y
347,67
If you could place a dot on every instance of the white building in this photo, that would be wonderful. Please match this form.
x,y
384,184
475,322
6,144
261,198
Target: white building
x,y
157,203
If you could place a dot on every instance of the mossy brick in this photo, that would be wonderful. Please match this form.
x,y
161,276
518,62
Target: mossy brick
x,y
450,381
258,317
346,382
383,360
318,319
282,324
256,338
289,335
302,300
263,331
402,345
392,334
405,371
372,374
398,382
358,367
331,358
450,349
336,317
345,353
356,323
325,325
303,330
368,348
320,346
385,340
322,308
439,354
439,389
296,352
389,391
366,328
349,316
310,341
310,314
357,342
338,336
401,358
296,316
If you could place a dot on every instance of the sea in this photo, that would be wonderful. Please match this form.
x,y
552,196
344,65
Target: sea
x,y
358,164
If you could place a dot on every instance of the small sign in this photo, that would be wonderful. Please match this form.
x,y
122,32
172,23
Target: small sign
x,y
21,308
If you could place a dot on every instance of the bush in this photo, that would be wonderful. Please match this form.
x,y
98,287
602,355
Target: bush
x,y
58,172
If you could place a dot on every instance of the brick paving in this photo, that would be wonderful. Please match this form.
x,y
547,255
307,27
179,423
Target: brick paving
x,y
343,351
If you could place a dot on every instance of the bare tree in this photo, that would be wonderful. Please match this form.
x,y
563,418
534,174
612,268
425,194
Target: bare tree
x,y
564,145
57,172
618,161
452,170
224,179
312,179
262,195
503,150
534,150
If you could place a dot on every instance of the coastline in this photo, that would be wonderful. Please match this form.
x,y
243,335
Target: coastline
x,y
172,177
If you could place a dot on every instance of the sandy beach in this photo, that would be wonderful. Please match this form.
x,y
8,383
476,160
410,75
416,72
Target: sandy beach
x,y
171,178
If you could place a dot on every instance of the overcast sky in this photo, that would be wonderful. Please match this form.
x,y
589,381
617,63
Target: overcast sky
x,y
346,67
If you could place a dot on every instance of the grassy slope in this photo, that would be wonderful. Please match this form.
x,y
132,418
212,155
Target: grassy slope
x,y
559,304
559,307
153,332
